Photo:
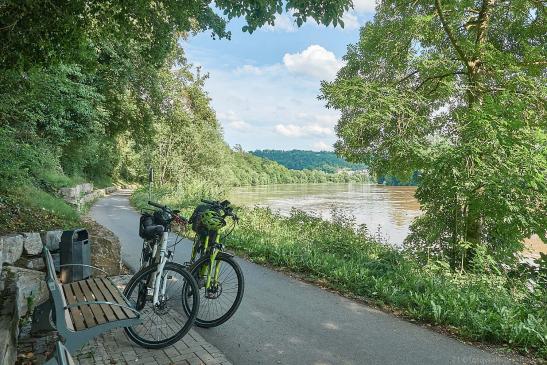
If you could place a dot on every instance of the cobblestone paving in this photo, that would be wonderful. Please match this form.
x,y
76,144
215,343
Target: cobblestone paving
x,y
114,348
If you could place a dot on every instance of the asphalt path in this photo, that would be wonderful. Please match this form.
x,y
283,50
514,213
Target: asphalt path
x,y
285,321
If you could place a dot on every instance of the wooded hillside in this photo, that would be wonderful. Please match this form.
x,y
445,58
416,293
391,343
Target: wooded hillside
x,y
301,160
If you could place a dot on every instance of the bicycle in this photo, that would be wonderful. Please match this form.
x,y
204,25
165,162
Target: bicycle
x,y
219,277
161,289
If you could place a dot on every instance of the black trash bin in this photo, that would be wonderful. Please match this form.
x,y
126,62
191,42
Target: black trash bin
x,y
75,249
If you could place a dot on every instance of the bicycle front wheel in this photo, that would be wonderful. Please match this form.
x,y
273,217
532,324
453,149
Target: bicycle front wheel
x,y
168,321
220,300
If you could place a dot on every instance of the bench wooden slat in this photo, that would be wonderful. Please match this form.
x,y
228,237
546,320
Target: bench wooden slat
x,y
110,316
118,297
117,310
95,308
75,313
89,318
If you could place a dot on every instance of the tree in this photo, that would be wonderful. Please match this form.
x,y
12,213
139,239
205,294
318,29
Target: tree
x,y
39,32
82,76
455,90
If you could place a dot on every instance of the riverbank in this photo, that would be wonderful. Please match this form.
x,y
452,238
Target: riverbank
x,y
387,211
493,308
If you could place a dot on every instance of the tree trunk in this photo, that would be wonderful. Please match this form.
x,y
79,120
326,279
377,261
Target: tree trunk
x,y
473,62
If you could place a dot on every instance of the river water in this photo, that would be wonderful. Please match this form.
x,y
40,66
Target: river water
x,y
386,210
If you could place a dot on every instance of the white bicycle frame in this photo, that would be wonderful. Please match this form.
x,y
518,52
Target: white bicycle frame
x,y
159,285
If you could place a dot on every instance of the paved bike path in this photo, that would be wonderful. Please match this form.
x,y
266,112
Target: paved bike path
x,y
285,321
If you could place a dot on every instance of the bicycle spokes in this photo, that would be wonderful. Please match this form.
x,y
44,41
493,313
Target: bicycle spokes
x,y
220,289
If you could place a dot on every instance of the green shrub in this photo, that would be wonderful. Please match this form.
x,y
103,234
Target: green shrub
x,y
485,307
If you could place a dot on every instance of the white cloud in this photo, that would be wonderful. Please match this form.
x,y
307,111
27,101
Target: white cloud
x,y
252,99
293,130
258,70
240,125
250,69
325,118
350,21
283,23
364,6
231,120
321,146
314,61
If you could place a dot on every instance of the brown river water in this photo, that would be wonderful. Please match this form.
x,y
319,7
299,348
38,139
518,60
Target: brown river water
x,y
386,210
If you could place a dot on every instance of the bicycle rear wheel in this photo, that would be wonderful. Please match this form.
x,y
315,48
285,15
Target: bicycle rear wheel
x,y
165,323
221,300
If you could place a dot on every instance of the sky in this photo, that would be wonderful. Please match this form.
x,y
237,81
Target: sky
x,y
264,86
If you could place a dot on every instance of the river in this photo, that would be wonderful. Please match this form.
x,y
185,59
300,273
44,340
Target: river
x,y
386,210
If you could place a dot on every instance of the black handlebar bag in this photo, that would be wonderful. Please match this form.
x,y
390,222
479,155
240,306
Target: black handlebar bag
x,y
146,220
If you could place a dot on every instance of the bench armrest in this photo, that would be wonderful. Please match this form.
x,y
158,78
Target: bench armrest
x,y
93,267
79,304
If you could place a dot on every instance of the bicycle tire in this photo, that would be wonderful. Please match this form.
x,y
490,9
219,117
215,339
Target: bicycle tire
x,y
201,321
140,279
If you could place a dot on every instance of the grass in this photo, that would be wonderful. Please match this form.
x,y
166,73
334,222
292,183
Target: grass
x,y
30,209
492,308
51,180
31,203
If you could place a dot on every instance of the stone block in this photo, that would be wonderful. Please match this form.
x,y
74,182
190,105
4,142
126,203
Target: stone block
x,y
85,188
32,243
8,330
70,193
12,247
51,239
29,286
33,263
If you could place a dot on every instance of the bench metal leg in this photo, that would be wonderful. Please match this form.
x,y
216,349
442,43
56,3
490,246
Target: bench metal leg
x,y
76,340
41,318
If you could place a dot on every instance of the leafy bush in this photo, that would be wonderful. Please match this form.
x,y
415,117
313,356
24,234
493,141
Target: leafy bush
x,y
486,307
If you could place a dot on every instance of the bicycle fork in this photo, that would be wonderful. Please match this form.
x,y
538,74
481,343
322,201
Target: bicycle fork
x,y
159,283
213,265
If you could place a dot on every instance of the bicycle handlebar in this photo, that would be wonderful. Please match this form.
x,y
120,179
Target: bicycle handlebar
x,y
224,205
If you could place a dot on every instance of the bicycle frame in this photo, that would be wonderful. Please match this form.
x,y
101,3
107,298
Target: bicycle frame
x,y
160,257
208,270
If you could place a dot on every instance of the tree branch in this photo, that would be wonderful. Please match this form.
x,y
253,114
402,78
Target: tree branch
x,y
533,63
439,77
483,20
406,77
449,33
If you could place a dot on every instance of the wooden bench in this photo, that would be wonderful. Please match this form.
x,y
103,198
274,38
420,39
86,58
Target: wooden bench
x,y
86,308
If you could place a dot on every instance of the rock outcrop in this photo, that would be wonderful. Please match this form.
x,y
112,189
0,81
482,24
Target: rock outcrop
x,y
51,239
105,248
11,247
28,285
32,243
83,193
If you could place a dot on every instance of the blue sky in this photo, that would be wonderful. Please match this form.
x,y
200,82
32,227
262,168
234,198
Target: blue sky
x,y
264,86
